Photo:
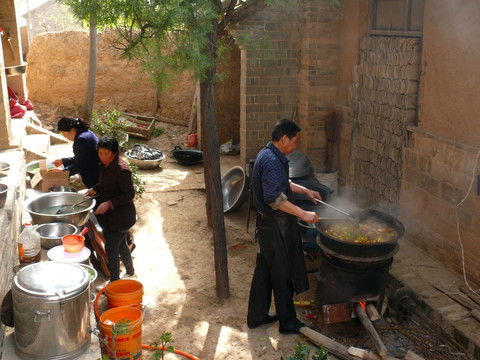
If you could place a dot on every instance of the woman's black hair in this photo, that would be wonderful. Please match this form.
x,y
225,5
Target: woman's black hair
x,y
108,142
67,123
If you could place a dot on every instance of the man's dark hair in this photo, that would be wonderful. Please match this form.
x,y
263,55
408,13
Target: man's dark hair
x,y
108,142
285,127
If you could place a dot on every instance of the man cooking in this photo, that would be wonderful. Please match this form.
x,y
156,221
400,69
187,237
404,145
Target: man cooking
x,y
280,264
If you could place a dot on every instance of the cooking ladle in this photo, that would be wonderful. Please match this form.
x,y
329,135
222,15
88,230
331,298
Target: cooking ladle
x,y
67,209
352,218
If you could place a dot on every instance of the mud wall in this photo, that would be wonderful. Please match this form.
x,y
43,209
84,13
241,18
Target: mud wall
x,y
57,73
449,102
441,158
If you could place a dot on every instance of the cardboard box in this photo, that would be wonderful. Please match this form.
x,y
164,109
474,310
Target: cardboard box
x,y
45,180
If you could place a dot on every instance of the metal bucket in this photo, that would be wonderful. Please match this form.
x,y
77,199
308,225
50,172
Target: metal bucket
x,y
51,308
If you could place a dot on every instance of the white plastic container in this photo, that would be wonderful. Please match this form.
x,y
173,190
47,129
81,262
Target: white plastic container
x,y
29,245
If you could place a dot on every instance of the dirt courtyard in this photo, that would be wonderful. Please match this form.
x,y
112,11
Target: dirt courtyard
x,y
174,261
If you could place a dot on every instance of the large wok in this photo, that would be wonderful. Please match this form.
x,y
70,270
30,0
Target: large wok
x,y
38,208
362,252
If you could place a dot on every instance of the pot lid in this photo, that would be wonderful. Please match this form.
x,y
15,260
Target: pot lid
x,y
298,164
51,278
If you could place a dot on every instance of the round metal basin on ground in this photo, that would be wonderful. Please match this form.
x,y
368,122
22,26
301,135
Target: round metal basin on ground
x,y
144,164
43,208
234,189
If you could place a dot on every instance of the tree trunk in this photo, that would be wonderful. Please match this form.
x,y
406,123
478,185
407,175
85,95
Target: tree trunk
x,y
92,72
212,171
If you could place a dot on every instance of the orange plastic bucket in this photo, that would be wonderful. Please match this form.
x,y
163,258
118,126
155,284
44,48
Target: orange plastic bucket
x,y
125,292
129,345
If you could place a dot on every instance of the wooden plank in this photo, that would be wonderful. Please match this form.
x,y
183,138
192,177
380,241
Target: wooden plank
x,y
459,298
470,294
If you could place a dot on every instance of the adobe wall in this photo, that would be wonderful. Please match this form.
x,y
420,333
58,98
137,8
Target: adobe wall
x,y
441,158
58,67
449,102
437,174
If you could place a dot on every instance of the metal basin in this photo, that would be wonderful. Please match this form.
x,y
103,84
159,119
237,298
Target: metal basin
x,y
144,164
234,189
51,234
42,209
63,189
32,168
3,194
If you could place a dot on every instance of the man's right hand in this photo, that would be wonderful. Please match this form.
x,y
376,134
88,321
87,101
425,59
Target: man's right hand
x,y
310,217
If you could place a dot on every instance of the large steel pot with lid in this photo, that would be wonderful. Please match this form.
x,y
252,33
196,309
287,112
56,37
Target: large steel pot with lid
x,y
51,308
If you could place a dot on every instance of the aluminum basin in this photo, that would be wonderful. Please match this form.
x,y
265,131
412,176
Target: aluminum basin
x,y
42,209
51,234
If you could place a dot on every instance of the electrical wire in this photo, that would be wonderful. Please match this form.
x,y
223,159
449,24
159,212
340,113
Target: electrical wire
x,y
458,225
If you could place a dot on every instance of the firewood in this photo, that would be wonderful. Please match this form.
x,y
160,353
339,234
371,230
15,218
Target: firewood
x,y
372,312
337,349
366,355
362,315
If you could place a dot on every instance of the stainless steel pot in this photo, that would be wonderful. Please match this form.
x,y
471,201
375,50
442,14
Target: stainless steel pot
x,y
51,234
51,308
43,208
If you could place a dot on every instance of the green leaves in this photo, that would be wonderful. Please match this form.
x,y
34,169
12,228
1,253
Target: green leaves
x,y
302,352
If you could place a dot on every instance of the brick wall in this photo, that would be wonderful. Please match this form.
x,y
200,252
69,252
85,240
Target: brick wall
x,y
317,65
437,173
292,75
228,95
268,83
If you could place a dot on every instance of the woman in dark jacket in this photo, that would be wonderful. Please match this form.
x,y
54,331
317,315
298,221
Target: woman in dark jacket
x,y
116,211
85,160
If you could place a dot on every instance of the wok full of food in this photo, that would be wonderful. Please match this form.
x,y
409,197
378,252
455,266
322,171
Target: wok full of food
x,y
363,232
374,234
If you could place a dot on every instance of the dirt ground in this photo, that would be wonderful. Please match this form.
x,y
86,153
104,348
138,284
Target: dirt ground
x,y
174,260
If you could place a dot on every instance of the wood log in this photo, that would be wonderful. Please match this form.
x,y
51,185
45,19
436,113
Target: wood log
x,y
366,355
362,315
337,349
412,356
372,313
